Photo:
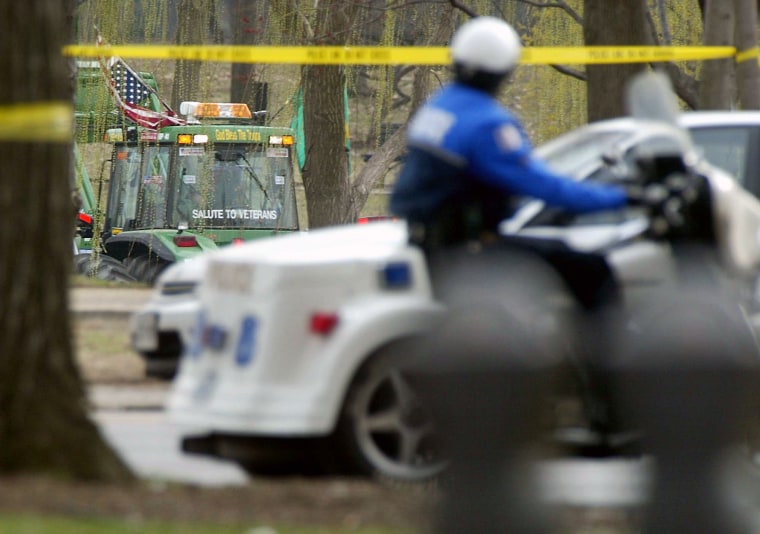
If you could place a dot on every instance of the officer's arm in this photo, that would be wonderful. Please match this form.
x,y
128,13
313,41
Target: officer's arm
x,y
503,157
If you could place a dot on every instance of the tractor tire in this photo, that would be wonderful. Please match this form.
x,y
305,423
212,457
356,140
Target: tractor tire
x,y
145,268
101,267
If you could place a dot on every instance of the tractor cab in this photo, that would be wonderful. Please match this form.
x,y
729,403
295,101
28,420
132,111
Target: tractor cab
x,y
217,179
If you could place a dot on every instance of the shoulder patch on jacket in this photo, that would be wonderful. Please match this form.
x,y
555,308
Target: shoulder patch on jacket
x,y
508,138
430,125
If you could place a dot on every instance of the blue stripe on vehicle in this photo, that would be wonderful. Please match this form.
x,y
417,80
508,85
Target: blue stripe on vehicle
x,y
247,341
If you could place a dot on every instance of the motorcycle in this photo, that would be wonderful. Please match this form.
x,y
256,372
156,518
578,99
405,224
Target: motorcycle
x,y
644,321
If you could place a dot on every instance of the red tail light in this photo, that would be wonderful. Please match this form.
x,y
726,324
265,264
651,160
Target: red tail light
x,y
237,241
182,240
323,323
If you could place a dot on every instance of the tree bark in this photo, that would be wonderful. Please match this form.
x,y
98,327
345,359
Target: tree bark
x,y
195,21
249,20
44,425
717,87
612,24
325,173
747,69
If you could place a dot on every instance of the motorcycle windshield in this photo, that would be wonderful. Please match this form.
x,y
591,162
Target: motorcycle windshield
x,y
572,155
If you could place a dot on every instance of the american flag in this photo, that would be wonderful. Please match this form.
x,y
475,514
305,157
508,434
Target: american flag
x,y
131,93
129,85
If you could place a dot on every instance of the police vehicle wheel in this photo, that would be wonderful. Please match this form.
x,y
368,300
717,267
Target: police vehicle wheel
x,y
384,430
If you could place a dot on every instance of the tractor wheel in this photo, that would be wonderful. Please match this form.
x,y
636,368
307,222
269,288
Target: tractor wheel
x,y
145,268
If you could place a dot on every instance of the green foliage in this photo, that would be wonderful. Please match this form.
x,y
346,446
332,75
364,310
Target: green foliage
x,y
549,102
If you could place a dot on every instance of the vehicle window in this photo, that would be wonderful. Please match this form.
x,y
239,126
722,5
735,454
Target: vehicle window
x,y
236,188
124,187
152,210
725,147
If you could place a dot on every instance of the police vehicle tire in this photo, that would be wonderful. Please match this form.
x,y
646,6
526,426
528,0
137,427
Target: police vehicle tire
x,y
384,430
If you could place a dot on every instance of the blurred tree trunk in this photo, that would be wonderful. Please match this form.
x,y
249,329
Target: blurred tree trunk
x,y
325,174
195,22
747,70
44,425
249,20
718,81
612,24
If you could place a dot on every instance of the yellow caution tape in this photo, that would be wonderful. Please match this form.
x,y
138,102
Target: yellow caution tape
x,y
744,55
595,55
412,55
299,55
37,122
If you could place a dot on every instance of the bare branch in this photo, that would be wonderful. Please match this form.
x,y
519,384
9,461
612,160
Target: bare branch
x,y
456,4
557,4
578,75
685,86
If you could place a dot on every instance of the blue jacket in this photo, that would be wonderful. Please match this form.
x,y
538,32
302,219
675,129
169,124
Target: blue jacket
x,y
467,152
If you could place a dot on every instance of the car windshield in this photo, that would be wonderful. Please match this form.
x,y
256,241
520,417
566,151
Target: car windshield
x,y
725,147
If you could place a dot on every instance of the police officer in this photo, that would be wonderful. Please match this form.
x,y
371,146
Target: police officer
x,y
468,160
468,156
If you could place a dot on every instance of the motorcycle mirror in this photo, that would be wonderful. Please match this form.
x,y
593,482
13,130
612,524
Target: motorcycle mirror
x,y
650,96
612,157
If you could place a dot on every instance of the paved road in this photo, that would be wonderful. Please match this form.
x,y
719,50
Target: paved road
x,y
134,422
107,300
150,444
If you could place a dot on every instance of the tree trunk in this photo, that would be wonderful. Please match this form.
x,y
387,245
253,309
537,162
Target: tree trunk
x,y
249,20
612,24
195,21
325,173
717,88
747,69
44,426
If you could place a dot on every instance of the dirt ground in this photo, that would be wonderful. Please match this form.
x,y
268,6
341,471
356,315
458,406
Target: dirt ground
x,y
317,503
348,504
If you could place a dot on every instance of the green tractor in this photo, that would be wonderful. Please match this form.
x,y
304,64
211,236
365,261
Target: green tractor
x,y
179,186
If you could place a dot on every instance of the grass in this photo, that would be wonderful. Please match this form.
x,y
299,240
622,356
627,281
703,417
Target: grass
x,y
25,524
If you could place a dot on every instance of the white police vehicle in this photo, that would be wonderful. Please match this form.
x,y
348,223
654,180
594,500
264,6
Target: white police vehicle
x,y
163,327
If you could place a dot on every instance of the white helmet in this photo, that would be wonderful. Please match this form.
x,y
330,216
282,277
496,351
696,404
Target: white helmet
x,y
486,44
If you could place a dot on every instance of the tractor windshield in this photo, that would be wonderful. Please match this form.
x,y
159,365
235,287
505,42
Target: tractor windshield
x,y
224,186
234,187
